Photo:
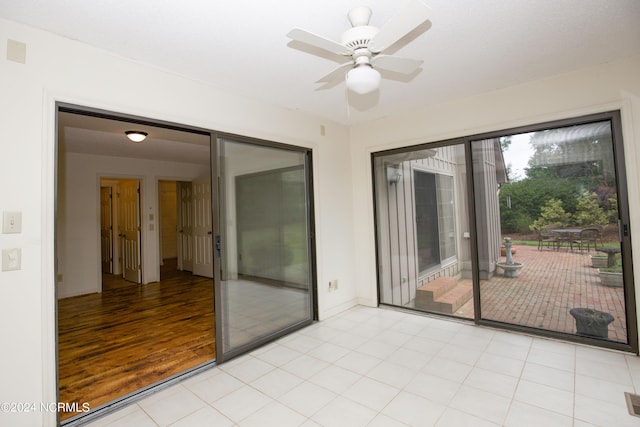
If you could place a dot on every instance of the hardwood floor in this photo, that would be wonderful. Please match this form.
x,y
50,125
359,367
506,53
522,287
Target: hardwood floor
x,y
131,336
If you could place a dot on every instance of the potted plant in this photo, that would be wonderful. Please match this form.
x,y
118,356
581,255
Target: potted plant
x,y
503,250
599,261
611,277
591,322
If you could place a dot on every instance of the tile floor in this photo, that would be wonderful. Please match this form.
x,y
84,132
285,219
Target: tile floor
x,y
255,309
378,367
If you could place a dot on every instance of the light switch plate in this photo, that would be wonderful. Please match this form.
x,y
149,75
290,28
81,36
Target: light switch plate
x,y
11,222
11,259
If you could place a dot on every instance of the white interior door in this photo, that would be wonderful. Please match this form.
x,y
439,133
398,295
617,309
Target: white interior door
x,y
130,229
202,228
185,226
106,230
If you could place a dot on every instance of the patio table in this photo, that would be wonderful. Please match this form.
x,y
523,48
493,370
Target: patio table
x,y
611,255
567,235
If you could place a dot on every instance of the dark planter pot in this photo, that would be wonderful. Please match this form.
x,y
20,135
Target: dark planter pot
x,y
591,323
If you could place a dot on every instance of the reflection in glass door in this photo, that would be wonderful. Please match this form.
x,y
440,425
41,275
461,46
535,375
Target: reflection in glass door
x,y
565,261
264,264
422,229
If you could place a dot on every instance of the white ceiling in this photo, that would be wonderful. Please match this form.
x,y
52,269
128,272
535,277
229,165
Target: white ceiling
x,y
106,137
472,46
468,47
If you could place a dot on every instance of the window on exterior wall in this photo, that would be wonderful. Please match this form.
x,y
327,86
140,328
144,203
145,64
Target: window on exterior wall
x,y
435,219
426,205
446,217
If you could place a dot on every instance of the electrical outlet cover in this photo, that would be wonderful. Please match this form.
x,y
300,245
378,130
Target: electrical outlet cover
x,y
11,259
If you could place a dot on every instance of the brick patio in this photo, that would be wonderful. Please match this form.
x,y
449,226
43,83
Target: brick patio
x,y
546,288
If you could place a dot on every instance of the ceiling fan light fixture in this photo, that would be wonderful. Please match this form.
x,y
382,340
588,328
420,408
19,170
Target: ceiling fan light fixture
x,y
136,135
363,79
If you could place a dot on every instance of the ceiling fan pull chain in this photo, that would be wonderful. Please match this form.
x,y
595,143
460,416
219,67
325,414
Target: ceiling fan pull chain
x,y
346,99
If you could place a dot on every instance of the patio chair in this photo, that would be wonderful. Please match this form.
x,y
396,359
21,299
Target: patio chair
x,y
600,229
547,237
587,237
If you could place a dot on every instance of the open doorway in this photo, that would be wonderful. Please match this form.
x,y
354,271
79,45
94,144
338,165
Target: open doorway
x,y
185,231
170,230
120,232
117,340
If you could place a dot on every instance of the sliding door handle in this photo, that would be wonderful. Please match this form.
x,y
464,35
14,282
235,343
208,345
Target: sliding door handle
x,y
217,246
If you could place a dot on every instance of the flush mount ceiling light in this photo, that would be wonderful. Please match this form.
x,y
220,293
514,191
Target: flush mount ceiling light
x,y
136,135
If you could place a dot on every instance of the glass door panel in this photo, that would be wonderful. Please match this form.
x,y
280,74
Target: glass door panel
x,y
422,229
554,211
264,272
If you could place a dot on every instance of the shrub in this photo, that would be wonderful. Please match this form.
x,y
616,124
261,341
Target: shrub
x,y
588,210
553,214
612,213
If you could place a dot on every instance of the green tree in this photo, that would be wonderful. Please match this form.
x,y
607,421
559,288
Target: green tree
x,y
552,213
505,142
582,151
612,212
589,211
565,163
521,201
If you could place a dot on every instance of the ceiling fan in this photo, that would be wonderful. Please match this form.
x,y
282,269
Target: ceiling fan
x,y
364,44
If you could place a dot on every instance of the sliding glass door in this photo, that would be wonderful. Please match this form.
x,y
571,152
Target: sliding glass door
x,y
423,237
526,229
263,243
563,226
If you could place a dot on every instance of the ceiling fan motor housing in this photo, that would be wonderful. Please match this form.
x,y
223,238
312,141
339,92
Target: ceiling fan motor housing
x,y
359,16
361,32
358,37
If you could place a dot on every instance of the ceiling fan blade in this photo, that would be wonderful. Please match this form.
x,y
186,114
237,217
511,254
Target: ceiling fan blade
x,y
405,21
337,74
398,65
306,37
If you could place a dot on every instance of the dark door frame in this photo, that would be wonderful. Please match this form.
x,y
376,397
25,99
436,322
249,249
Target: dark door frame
x,y
214,159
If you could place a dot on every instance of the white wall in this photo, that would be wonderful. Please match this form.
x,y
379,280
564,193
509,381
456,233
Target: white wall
x,y
58,69
78,216
603,88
